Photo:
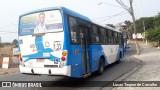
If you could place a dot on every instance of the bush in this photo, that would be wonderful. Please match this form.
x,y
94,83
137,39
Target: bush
x,y
155,44
154,34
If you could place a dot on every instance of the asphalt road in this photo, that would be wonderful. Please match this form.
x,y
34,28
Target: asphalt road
x,y
111,73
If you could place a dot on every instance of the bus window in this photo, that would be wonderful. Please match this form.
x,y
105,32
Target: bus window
x,y
110,37
73,26
116,37
107,36
103,37
120,39
113,37
94,35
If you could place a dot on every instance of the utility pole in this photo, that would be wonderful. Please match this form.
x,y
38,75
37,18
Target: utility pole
x,y
134,26
144,26
131,11
144,32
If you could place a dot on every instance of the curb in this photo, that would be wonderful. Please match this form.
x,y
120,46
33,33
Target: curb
x,y
127,74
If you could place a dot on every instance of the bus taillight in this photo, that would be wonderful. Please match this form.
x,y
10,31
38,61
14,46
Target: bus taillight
x,y
63,58
64,53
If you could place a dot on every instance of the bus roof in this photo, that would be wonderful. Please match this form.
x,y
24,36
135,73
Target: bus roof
x,y
87,19
108,27
70,12
59,8
38,10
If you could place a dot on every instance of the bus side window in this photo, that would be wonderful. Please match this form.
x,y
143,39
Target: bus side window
x,y
113,37
120,39
103,37
116,37
73,26
95,35
110,37
107,37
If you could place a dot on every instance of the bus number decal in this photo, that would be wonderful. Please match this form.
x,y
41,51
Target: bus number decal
x,y
33,46
57,45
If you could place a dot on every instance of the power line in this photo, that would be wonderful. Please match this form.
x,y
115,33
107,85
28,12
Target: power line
x,y
109,4
106,16
138,13
123,12
8,24
122,4
142,7
130,10
8,32
102,17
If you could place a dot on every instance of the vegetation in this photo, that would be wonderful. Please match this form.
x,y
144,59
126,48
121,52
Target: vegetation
x,y
1,45
111,25
15,43
151,25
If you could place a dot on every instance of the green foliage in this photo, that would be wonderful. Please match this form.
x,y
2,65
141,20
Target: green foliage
x,y
154,34
1,45
7,43
15,43
149,23
157,20
152,27
111,25
128,23
144,35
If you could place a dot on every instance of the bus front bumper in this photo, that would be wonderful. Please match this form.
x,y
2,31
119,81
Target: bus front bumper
x,y
47,71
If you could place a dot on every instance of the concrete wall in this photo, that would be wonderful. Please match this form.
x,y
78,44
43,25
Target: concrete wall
x,y
12,62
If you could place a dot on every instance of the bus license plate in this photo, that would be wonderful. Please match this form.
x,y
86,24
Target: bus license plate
x,y
40,60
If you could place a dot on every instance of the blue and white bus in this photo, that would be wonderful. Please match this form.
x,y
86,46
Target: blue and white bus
x,y
59,41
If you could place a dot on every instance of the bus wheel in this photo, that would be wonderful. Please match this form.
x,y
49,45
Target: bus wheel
x,y
101,66
117,62
119,59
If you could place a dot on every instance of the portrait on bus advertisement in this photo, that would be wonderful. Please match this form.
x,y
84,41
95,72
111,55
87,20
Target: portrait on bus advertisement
x,y
41,22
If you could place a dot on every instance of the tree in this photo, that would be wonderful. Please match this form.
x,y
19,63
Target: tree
x,y
1,45
148,22
128,23
129,28
157,20
15,43
131,12
154,34
111,25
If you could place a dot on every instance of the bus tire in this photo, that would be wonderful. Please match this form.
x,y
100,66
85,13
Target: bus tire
x,y
119,59
101,66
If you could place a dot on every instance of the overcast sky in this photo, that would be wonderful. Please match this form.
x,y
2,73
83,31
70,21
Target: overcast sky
x,y
106,13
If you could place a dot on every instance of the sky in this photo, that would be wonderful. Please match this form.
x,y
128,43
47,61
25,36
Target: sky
x,y
108,12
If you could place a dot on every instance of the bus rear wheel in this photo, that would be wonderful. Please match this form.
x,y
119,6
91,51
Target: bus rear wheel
x,y
101,66
119,59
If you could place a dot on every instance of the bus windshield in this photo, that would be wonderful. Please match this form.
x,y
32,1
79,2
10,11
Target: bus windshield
x,y
41,22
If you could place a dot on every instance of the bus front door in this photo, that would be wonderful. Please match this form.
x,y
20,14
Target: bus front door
x,y
85,41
